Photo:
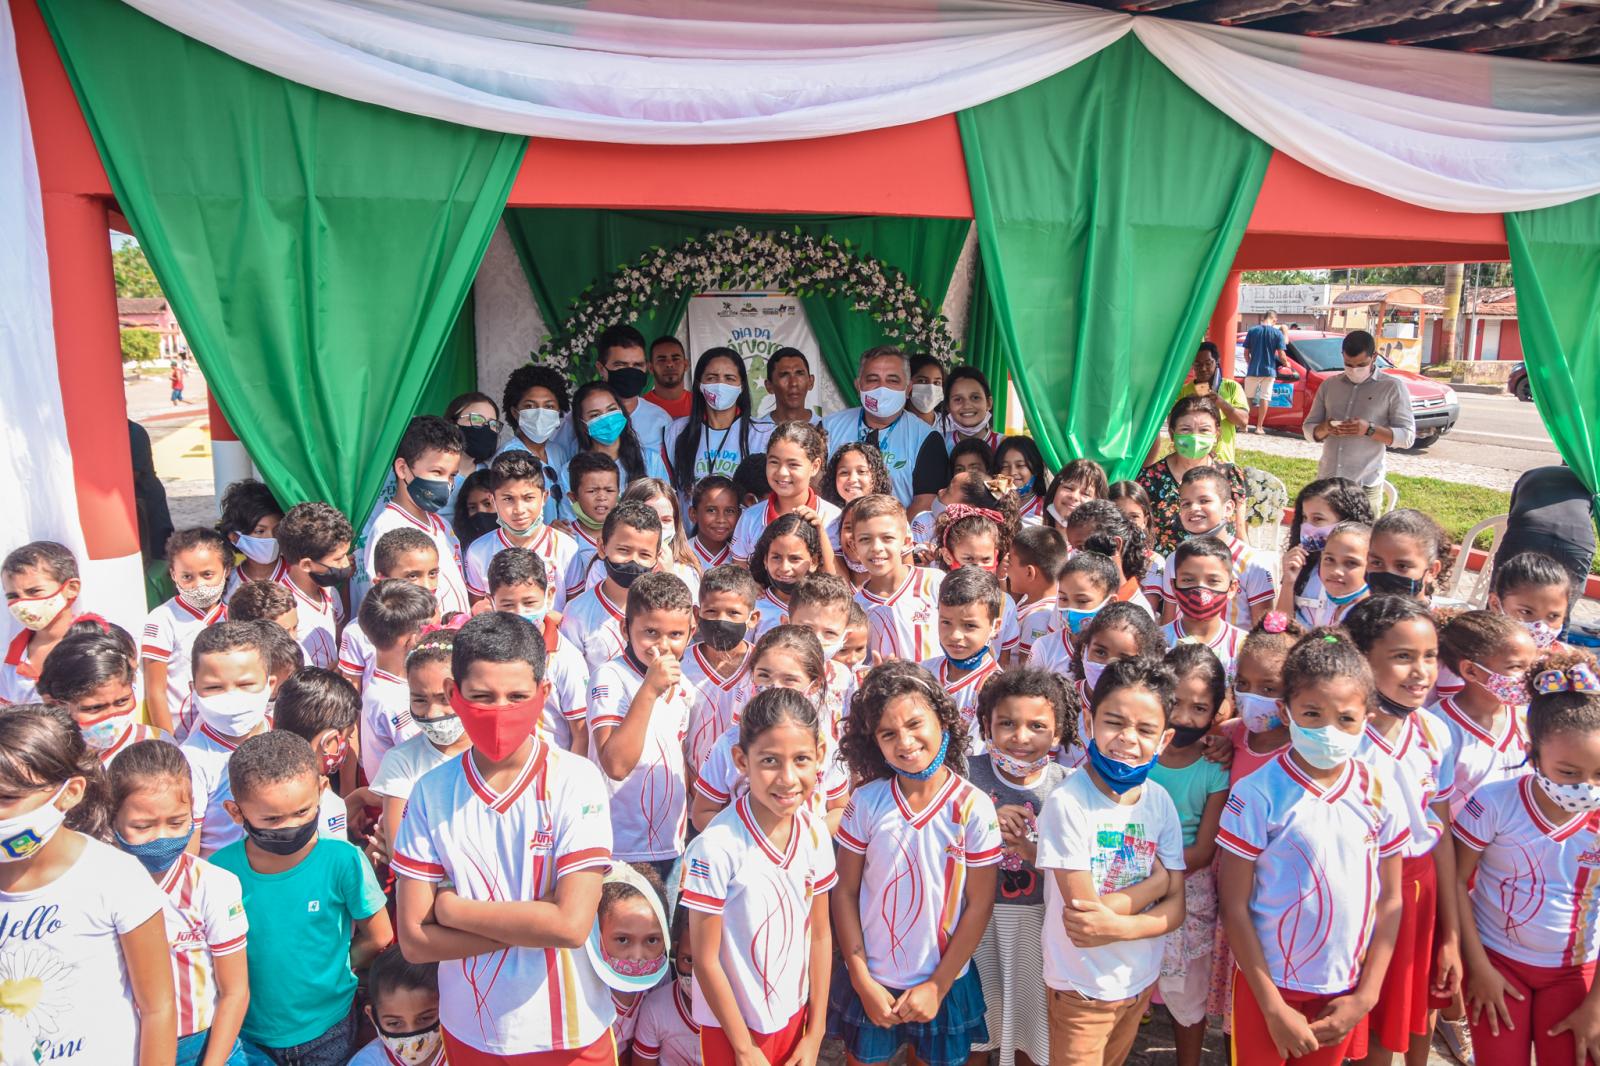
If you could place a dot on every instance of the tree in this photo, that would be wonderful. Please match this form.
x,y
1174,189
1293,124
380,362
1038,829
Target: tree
x,y
132,272
140,345
1285,277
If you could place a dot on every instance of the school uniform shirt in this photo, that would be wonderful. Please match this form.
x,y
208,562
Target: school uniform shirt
x,y
1533,891
1316,851
555,548
404,764
713,702
905,623
709,558
18,677
555,476
1117,845
333,817
593,624
168,637
1032,512
552,820
649,807
1257,583
1313,607
132,733
627,1008
1035,621
62,956
204,910
1419,760
568,694
585,545
754,520
953,436
916,457
764,898
839,684
356,653
921,525
207,752
1479,756
452,590
1225,645
666,1031
914,882
771,613
319,616
1053,652
385,719
964,690
719,779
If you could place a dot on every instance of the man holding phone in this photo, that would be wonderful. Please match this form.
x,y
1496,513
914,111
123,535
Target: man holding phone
x,y
1359,414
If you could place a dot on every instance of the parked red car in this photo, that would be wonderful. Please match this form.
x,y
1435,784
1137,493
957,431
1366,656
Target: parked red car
x,y
1315,356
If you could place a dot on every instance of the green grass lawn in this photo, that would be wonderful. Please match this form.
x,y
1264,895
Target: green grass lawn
x,y
1456,507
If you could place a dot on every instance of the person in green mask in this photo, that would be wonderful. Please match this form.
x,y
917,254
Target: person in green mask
x,y
1194,426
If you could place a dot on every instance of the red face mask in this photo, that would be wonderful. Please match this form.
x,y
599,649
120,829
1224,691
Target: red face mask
x,y
497,730
1201,603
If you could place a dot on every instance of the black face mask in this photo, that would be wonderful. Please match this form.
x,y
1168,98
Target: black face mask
x,y
1388,706
625,574
285,841
1185,736
476,525
720,635
1394,585
783,588
481,442
626,381
334,575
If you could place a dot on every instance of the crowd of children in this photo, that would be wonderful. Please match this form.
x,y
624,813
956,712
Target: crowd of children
x,y
615,742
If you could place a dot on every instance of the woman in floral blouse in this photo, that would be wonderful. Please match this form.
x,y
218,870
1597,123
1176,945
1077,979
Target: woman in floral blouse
x,y
1193,426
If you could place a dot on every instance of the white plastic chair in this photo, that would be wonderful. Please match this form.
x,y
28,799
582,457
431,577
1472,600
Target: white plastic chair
x,y
1472,588
1391,498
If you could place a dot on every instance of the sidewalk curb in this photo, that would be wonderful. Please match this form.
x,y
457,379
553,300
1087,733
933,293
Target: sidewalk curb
x,y
1464,386
170,416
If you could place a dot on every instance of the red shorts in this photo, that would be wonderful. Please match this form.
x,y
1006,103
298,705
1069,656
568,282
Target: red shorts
x,y
1402,1008
775,1047
602,1052
1252,1040
1549,994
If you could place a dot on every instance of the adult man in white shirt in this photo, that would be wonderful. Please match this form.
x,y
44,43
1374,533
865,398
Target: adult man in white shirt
x,y
915,454
1357,415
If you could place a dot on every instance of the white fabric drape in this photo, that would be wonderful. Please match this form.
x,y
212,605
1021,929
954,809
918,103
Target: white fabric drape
x,y
1441,129
655,71
35,462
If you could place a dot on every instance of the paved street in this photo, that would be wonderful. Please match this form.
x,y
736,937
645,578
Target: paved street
x,y
1496,431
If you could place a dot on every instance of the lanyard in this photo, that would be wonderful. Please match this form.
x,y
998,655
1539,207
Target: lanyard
x,y
708,455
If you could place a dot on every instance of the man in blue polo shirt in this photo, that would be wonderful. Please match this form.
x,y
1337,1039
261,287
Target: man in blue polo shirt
x,y
1263,347
913,452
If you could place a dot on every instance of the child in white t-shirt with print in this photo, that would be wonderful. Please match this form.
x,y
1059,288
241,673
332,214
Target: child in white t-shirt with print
x,y
1111,849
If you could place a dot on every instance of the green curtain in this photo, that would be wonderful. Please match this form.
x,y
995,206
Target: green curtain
x,y
986,348
457,369
1110,200
1555,261
564,251
315,249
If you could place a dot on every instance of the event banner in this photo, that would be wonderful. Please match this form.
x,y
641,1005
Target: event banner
x,y
756,324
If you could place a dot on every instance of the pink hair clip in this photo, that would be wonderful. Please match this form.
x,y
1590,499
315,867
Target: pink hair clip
x,y
449,625
1275,622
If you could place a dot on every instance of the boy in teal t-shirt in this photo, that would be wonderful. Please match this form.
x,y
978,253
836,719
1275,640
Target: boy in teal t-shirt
x,y
304,896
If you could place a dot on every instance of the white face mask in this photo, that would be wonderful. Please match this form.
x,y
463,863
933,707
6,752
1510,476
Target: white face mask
x,y
203,597
104,733
719,395
1259,713
971,431
539,424
883,402
830,648
1091,673
261,550
926,396
1358,374
38,613
443,731
1325,747
233,713
22,836
1580,798
414,1049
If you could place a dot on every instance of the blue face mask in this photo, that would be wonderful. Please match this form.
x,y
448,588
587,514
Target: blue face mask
x,y
536,615
158,854
1029,487
430,494
1076,619
933,767
970,663
607,428
1118,776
